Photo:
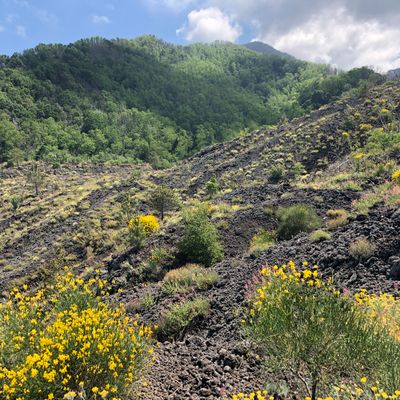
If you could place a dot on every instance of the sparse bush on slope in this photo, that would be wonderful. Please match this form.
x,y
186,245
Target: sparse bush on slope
x,y
180,315
362,249
296,219
200,243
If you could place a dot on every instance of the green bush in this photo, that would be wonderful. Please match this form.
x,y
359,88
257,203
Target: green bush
x,y
181,315
296,219
319,236
200,242
212,186
276,174
16,202
320,337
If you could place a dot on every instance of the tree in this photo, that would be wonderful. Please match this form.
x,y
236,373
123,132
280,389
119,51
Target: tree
x,y
163,199
36,177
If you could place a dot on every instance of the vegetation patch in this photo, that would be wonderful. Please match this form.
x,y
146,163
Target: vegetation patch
x,y
320,236
362,249
200,243
46,339
262,241
187,278
337,218
296,219
181,315
306,328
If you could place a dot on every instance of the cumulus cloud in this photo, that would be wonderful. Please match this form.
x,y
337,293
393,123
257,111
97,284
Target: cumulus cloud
x,y
348,33
208,25
100,19
341,40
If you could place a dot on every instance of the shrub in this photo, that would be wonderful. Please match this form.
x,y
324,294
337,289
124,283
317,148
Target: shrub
x,y
183,314
276,174
158,259
128,206
396,177
212,186
163,199
296,219
337,218
68,342
141,227
362,249
200,240
306,327
16,202
262,241
320,236
191,276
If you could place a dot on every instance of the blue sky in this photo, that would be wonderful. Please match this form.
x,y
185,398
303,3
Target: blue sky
x,y
25,23
344,33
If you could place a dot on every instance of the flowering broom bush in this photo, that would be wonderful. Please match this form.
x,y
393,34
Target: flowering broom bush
x,y
141,227
307,328
67,343
396,177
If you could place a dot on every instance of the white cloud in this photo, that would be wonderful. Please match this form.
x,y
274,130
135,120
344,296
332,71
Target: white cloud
x,y
2,28
100,19
347,33
21,31
208,25
339,39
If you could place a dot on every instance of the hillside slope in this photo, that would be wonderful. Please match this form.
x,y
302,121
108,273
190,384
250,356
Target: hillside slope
x,y
76,221
150,101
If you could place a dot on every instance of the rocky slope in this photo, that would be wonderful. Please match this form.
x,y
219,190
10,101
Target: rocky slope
x,y
75,221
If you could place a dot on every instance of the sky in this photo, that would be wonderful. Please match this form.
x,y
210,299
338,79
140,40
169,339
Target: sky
x,y
343,33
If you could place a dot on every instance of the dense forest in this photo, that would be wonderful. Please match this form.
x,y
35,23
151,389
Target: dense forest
x,y
147,100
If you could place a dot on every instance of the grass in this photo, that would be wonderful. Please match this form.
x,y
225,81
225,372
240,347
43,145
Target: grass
x,y
183,314
188,278
262,241
337,218
362,249
319,236
387,193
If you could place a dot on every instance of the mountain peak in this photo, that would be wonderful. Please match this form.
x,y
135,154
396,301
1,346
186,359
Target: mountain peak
x,y
264,48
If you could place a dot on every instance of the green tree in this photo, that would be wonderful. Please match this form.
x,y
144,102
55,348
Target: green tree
x,y
163,199
36,177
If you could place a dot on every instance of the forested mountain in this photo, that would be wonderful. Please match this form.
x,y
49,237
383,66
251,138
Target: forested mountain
x,y
144,99
264,48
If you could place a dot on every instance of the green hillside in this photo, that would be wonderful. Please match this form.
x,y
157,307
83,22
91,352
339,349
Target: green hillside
x,y
147,100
